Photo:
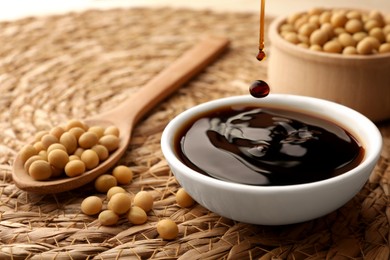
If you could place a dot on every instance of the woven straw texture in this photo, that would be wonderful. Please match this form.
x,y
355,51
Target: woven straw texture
x,y
56,68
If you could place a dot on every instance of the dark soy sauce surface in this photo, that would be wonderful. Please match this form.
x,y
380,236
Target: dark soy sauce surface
x,y
266,146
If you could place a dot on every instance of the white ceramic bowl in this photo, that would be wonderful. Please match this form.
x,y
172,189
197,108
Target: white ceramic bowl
x,y
277,205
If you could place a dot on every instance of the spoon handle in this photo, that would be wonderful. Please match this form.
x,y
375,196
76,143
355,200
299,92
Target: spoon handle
x,y
171,78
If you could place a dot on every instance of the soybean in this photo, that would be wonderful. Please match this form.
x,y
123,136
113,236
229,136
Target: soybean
x,y
108,218
183,199
40,170
91,205
120,203
167,229
105,182
74,168
123,174
137,215
144,200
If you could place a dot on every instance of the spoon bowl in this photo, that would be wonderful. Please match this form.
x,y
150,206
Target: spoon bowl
x,y
127,114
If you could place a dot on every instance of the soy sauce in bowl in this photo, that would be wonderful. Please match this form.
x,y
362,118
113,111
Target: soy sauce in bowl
x,y
266,146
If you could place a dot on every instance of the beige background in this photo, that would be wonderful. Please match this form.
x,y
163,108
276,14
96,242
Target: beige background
x,y
21,8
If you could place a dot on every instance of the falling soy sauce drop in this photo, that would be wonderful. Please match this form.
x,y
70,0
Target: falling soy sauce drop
x,y
259,89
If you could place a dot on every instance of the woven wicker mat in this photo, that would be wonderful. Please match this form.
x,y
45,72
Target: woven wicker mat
x,y
75,65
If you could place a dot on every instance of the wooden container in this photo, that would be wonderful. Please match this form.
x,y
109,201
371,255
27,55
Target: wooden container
x,y
361,82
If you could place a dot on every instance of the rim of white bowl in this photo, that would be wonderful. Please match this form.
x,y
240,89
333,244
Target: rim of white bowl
x,y
167,139
278,40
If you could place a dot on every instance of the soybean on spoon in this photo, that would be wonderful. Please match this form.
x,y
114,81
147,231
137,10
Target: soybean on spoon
x,y
127,114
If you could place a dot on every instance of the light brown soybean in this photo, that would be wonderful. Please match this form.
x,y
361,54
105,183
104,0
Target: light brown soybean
x,y
377,33
375,42
48,140
98,130
58,158
291,37
303,45
90,158
301,21
108,218
293,17
359,36
76,131
386,29
120,203
325,17
350,50
315,11
57,131
27,151
137,215
377,16
38,135
56,146
388,38
386,18
111,142
307,29
283,28
105,182
74,168
183,199
384,48
315,21
73,157
354,15
69,141
318,37
75,123
101,151
338,19
78,152
354,26
30,160
87,140
315,47
40,170
167,229
328,29
339,30
114,190
112,130
123,174
43,154
303,39
39,146
365,46
283,33
144,200
368,25
346,39
91,205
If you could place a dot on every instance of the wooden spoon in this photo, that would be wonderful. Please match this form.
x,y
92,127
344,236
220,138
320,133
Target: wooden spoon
x,y
127,114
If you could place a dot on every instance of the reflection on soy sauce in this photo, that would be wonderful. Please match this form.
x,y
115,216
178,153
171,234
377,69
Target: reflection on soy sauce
x,y
260,88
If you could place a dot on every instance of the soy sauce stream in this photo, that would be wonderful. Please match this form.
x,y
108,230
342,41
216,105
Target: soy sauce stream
x,y
260,88
261,55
